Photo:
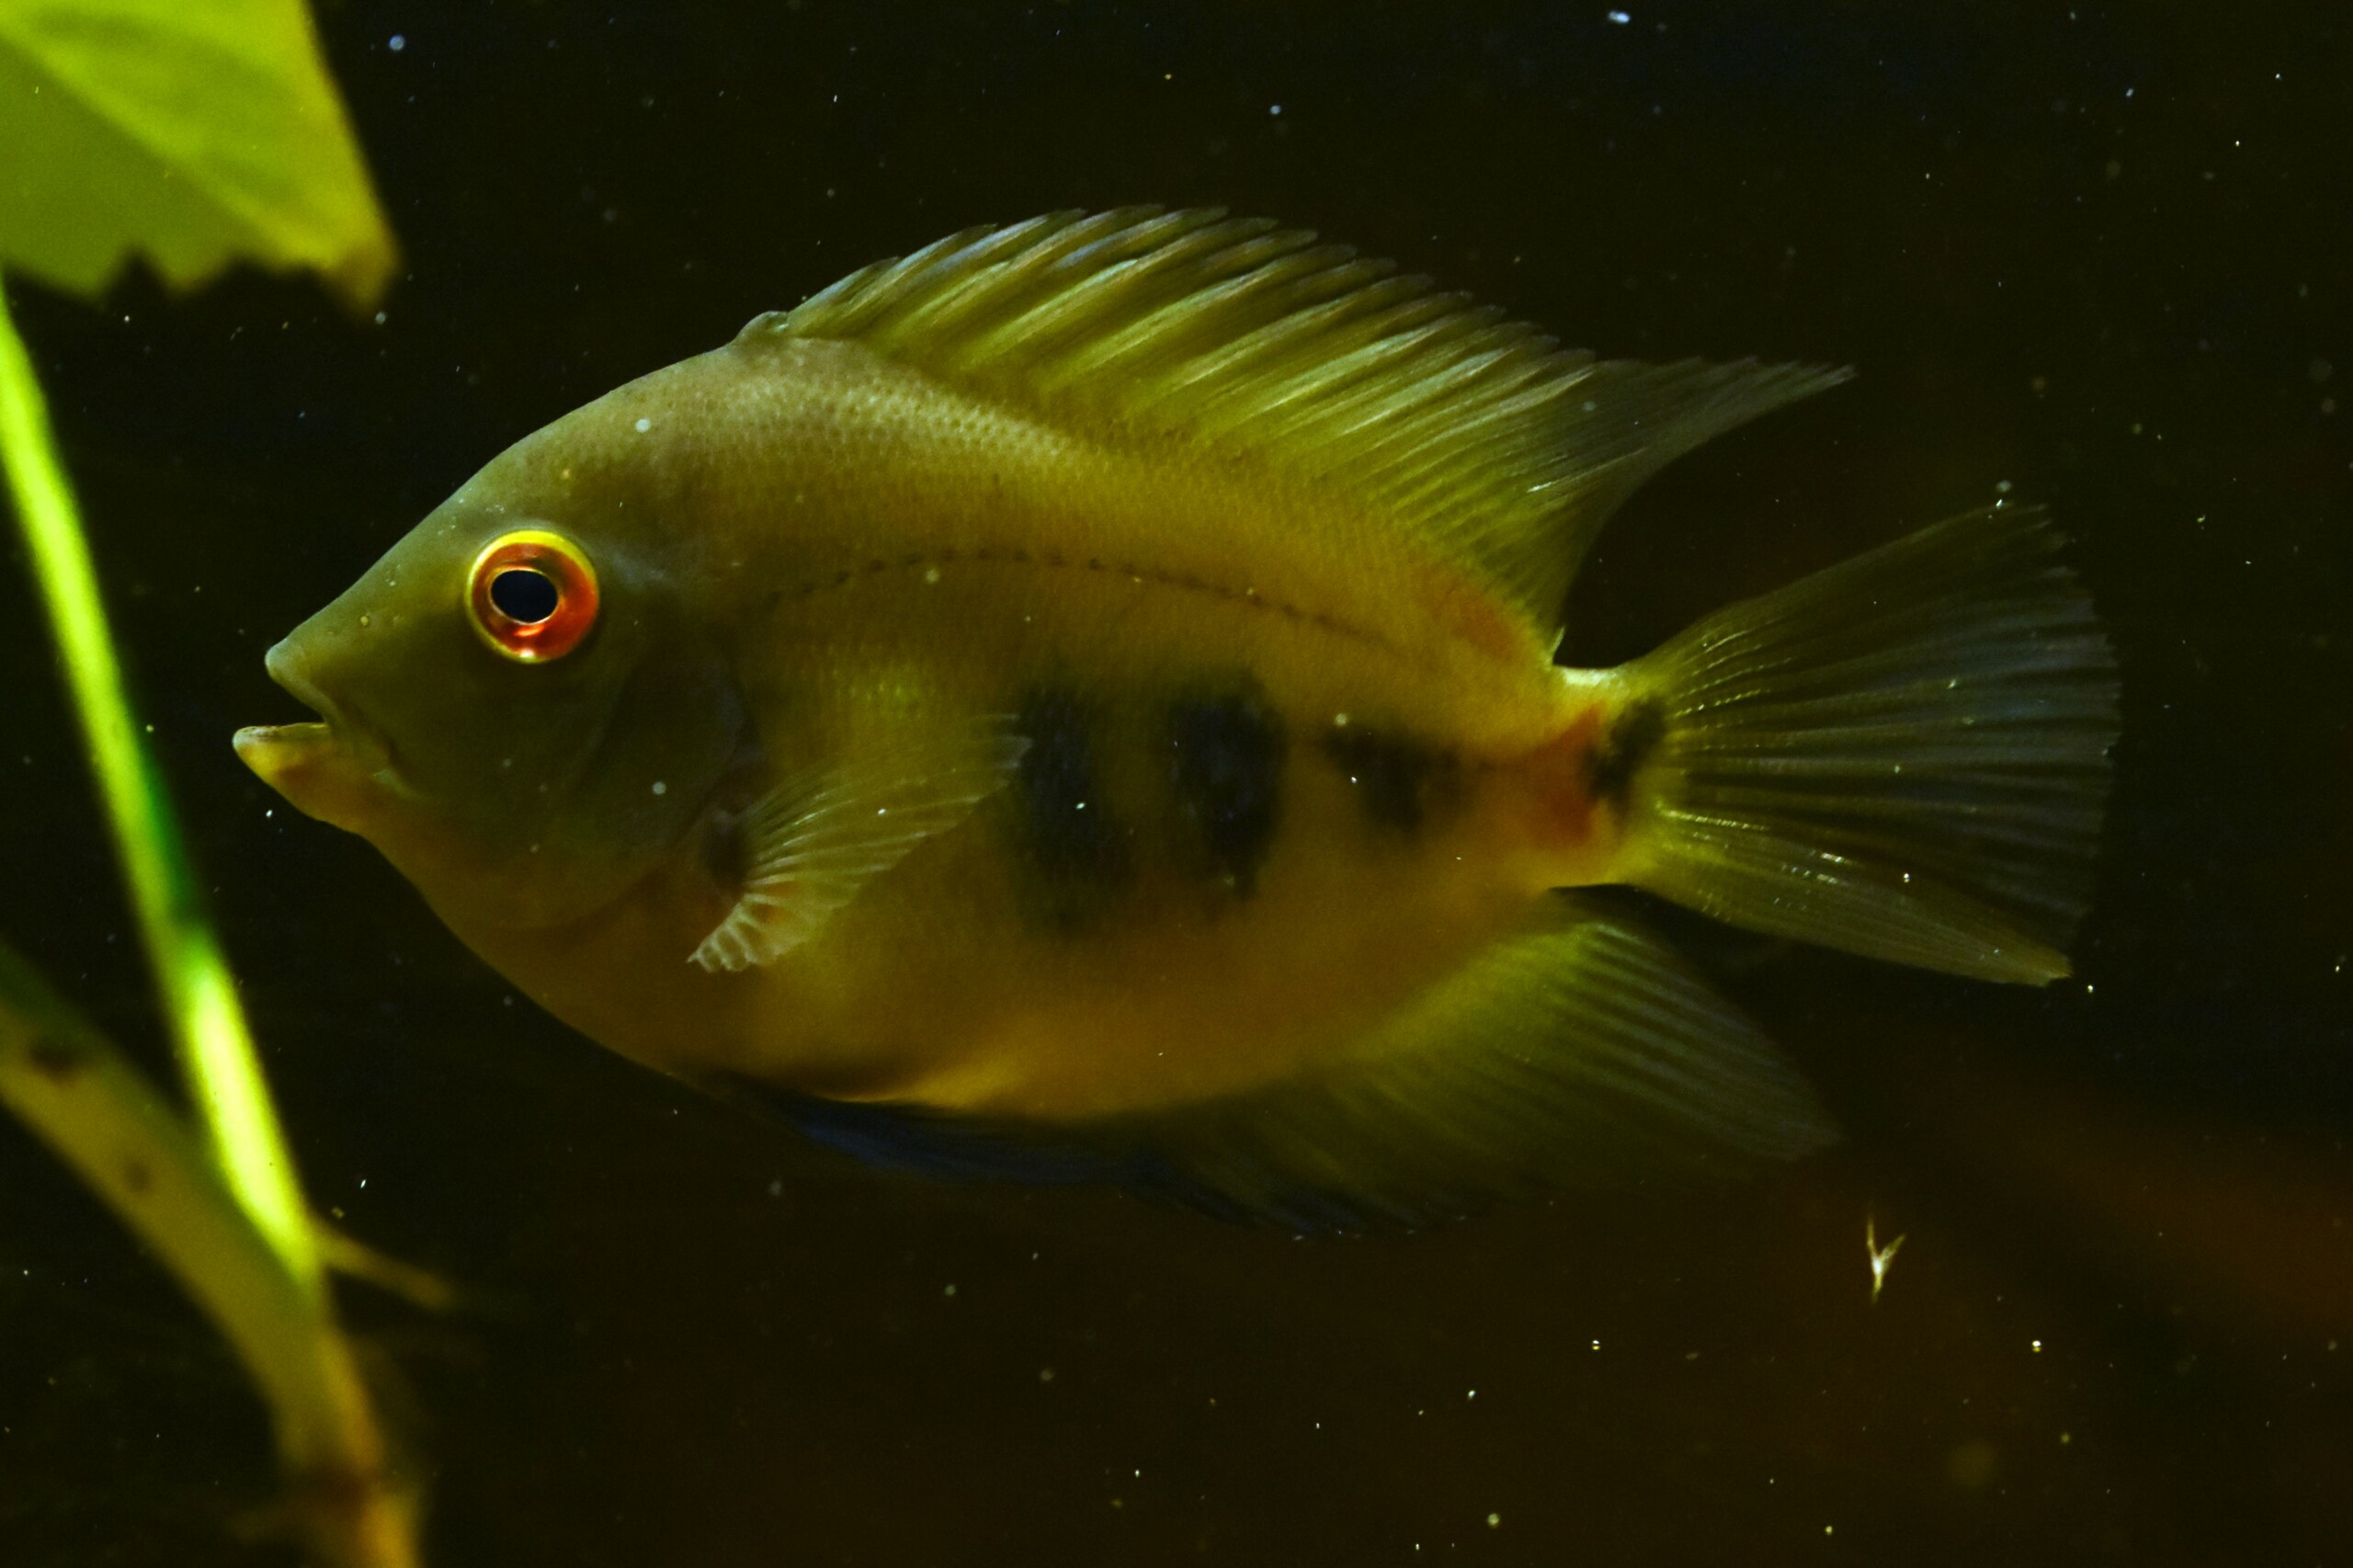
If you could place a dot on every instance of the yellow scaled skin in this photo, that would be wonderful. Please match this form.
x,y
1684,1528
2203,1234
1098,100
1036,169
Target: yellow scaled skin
x,y
816,547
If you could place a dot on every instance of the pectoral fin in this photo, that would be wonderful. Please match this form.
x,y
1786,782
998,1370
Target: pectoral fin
x,y
810,844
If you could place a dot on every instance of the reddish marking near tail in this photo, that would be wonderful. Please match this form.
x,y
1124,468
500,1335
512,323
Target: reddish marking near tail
x,y
1557,772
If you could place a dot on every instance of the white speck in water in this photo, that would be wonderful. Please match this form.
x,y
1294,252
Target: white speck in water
x,y
1883,1257
1621,17
882,811
660,787
1494,1520
1274,108
1081,805
643,425
1339,720
396,43
931,574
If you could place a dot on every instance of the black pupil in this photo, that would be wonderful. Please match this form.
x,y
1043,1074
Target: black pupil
x,y
525,594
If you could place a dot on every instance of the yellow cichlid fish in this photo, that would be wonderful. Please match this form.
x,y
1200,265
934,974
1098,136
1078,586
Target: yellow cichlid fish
x,y
1079,700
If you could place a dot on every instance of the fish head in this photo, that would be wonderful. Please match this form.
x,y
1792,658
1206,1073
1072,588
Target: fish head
x,y
515,705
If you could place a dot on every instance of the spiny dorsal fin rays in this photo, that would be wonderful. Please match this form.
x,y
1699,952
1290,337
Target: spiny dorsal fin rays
x,y
1482,438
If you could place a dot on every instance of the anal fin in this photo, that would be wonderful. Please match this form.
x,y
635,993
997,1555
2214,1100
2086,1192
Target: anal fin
x,y
1579,1053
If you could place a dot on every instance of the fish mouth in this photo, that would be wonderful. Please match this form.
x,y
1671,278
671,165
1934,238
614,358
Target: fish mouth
x,y
321,764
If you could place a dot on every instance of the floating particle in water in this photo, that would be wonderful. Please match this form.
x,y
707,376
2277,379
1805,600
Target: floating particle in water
x,y
1881,1258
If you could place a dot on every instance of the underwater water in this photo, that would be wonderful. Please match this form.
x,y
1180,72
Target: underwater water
x,y
2100,258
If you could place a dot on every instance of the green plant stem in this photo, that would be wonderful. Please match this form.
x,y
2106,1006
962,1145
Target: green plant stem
x,y
199,997
78,1092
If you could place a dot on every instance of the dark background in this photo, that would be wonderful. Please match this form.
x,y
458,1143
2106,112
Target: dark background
x,y
2097,253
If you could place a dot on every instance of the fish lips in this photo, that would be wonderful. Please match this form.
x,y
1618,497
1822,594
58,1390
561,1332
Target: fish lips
x,y
335,767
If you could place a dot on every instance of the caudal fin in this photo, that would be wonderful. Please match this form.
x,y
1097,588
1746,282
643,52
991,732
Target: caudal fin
x,y
1904,756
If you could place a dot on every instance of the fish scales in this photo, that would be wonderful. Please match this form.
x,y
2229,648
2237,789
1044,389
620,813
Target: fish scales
x,y
883,548
1086,688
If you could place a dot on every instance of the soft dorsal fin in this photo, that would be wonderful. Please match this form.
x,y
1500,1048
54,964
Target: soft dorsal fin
x,y
1482,436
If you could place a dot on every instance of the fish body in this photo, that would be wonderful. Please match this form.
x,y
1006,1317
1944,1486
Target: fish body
x,y
1092,680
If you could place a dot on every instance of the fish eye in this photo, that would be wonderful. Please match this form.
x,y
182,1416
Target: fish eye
x,y
532,595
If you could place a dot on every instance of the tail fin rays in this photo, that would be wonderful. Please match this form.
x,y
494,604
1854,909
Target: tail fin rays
x,y
1904,756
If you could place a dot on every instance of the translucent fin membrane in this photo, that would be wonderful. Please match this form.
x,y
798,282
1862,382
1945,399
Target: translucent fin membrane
x,y
1479,437
814,840
1904,756
1579,1053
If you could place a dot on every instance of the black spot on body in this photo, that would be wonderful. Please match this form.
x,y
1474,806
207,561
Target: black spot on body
x,y
1227,767
1633,736
1072,836
723,850
1395,777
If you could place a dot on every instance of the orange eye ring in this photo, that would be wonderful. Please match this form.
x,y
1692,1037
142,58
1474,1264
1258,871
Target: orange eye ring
x,y
532,595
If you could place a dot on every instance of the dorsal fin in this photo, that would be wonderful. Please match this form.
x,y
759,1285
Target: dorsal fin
x,y
1483,437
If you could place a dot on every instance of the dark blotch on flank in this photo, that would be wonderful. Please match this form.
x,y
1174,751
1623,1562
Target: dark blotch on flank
x,y
1633,736
1072,838
1227,767
1395,776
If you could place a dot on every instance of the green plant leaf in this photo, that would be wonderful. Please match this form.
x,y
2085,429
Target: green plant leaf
x,y
197,132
